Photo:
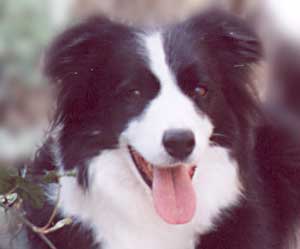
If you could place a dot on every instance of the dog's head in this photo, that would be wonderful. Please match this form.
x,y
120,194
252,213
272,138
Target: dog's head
x,y
164,97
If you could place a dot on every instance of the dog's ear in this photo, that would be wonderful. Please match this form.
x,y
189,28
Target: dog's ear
x,y
226,36
229,47
74,51
76,63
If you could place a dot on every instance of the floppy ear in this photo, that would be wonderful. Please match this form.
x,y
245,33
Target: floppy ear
x,y
74,51
228,37
230,47
76,63
80,62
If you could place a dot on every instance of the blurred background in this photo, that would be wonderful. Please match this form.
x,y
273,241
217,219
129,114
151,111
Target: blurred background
x,y
27,26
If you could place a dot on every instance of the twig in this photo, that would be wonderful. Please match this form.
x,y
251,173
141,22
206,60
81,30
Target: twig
x,y
30,225
12,190
40,231
54,212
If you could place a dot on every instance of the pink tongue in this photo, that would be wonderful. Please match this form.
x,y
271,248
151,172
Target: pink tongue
x,y
173,194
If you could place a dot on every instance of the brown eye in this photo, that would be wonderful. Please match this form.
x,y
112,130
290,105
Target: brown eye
x,y
200,91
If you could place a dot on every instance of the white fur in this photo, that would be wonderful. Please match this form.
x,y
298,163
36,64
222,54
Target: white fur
x,y
217,186
55,147
171,109
119,205
122,212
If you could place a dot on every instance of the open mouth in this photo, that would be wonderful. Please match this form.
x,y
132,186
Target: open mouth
x,y
144,167
172,189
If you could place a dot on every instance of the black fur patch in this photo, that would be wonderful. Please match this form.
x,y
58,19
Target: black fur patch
x,y
97,64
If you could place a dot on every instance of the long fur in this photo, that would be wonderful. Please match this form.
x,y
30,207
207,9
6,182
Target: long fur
x,y
249,163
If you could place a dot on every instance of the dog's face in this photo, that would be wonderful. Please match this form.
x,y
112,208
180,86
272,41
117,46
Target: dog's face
x,y
164,98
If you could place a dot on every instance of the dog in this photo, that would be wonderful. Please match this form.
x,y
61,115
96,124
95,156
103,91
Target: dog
x,y
171,146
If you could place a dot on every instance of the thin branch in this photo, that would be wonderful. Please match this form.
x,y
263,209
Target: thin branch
x,y
29,224
40,231
54,212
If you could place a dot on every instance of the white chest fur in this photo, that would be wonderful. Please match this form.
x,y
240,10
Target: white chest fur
x,y
118,206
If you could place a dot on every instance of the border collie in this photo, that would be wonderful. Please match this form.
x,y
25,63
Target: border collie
x,y
170,145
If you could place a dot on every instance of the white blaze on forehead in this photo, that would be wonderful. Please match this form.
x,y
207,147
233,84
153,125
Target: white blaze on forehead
x,y
170,109
157,58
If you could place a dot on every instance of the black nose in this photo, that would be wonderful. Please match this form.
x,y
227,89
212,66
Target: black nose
x,y
179,143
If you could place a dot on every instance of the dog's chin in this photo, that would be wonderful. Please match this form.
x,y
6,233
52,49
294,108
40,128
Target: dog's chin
x,y
171,186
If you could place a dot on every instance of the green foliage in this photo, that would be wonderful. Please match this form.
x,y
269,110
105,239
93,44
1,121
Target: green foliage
x,y
50,177
7,180
31,192
28,188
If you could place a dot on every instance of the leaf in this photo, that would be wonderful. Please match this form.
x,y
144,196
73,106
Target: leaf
x,y
50,177
70,173
11,198
31,192
7,180
53,176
